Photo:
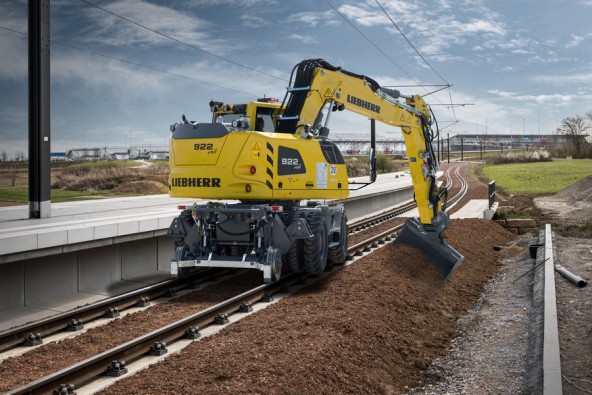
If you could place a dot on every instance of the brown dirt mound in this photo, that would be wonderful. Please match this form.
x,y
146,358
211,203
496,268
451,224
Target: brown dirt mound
x,y
141,188
581,191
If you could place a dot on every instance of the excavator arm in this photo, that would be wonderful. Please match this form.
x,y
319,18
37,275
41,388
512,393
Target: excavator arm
x,y
317,89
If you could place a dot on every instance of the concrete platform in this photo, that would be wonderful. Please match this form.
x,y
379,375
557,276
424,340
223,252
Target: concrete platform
x,y
82,222
476,208
89,250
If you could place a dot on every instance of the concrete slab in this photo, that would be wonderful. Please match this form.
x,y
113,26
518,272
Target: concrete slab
x,y
66,302
475,208
79,222
19,316
123,286
41,309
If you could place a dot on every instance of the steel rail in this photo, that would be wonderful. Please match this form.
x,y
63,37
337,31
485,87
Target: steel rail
x,y
17,336
381,217
84,371
373,241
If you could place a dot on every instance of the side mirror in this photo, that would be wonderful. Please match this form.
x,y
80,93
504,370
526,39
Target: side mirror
x,y
372,164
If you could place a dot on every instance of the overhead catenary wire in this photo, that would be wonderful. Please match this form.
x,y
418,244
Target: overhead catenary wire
x,y
136,64
411,44
182,42
379,49
419,54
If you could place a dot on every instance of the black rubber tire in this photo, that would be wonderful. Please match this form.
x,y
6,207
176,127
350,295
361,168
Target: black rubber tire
x,y
338,255
315,249
292,260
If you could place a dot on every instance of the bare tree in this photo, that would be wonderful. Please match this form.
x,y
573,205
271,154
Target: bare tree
x,y
20,156
3,156
13,171
575,128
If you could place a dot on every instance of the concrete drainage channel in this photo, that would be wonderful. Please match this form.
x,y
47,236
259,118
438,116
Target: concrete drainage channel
x,y
545,372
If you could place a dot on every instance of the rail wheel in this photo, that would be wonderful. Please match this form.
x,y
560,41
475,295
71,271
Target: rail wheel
x,y
315,249
182,253
274,261
338,255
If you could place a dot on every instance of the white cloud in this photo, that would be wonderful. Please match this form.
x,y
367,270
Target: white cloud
x,y
13,46
14,59
555,98
326,18
237,79
306,39
433,28
560,79
122,81
111,30
481,26
575,41
253,21
233,3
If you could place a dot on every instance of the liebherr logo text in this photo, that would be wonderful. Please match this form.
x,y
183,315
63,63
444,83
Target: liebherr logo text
x,y
195,182
363,103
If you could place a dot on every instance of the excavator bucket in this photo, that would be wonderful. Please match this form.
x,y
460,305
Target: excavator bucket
x,y
432,243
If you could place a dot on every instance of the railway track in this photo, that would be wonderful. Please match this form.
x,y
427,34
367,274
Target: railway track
x,y
112,361
33,333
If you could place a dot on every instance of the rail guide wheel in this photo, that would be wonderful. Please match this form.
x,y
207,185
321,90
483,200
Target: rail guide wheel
x,y
182,253
274,261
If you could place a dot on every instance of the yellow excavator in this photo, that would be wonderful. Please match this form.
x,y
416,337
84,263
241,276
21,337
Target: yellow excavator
x,y
263,164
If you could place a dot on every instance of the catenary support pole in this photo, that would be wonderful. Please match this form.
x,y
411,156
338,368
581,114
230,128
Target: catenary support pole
x,y
39,110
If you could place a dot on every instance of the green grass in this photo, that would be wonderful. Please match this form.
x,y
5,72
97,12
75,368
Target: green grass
x,y
104,164
21,194
539,177
581,231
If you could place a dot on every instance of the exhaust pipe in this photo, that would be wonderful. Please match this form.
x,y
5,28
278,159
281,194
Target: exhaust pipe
x,y
430,240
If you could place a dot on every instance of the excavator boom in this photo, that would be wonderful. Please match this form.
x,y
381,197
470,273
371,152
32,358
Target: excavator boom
x,y
317,84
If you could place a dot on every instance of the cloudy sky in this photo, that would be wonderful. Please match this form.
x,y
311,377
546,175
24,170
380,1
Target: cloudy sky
x,y
115,77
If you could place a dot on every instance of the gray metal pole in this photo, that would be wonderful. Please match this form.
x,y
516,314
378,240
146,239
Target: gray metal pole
x,y
448,147
39,110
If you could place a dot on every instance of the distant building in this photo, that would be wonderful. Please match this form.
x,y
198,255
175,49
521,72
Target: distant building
x,y
489,142
78,154
119,155
162,155
58,157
